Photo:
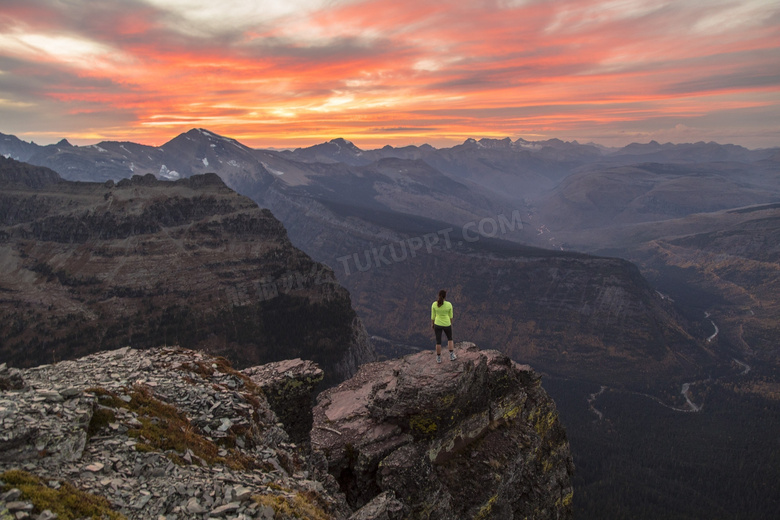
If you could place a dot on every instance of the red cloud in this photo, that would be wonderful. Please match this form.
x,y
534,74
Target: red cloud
x,y
457,69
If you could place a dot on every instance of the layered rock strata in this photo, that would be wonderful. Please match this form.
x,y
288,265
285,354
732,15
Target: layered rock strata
x,y
88,267
472,438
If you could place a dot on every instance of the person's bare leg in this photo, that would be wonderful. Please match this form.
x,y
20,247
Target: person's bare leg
x,y
438,349
451,345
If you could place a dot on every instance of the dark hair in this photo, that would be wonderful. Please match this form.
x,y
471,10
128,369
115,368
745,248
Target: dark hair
x,y
442,295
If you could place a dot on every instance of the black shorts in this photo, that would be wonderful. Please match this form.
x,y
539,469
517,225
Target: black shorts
x,y
438,330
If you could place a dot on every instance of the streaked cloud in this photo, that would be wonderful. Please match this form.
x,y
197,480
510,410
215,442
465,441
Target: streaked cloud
x,y
296,72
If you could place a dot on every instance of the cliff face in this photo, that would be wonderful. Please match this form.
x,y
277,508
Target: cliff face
x,y
574,315
472,438
143,262
176,433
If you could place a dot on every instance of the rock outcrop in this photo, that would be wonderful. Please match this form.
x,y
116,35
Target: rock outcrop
x,y
157,433
289,387
474,438
177,434
10,378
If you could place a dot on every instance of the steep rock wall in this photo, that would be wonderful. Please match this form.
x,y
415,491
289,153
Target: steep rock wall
x,y
472,438
143,262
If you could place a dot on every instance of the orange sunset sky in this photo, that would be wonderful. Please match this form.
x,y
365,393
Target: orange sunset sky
x,y
288,73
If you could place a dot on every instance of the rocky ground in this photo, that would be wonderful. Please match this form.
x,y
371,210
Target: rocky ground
x,y
170,433
163,433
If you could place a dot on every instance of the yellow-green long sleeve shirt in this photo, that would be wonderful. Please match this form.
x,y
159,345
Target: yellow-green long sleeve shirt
x,y
441,316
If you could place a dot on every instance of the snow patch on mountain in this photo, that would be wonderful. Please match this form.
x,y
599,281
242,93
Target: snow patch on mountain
x,y
214,136
528,145
272,170
171,175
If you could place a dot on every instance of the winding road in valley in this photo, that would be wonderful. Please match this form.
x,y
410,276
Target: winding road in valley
x,y
745,366
715,334
592,399
690,406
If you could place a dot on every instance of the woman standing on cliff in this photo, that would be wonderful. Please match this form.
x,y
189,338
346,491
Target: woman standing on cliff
x,y
441,321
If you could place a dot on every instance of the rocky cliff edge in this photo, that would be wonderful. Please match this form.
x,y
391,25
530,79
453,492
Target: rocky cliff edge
x,y
472,438
170,433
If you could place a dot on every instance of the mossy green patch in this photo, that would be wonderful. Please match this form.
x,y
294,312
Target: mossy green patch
x,y
164,428
485,510
143,447
105,397
100,419
295,506
542,420
447,400
67,502
564,501
512,412
289,385
423,424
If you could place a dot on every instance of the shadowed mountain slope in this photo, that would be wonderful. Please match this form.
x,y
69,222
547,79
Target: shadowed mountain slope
x,y
144,262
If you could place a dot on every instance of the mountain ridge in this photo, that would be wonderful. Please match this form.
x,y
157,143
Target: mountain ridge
x,y
144,261
340,148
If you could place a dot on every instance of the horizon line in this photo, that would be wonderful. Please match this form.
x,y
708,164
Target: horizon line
x,y
591,142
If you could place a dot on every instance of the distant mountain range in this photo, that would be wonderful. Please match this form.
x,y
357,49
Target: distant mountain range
x,y
199,151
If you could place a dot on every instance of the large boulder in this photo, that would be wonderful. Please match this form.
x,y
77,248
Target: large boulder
x,y
289,388
477,437
11,378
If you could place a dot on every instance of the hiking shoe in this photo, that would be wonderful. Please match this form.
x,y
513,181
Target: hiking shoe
x,y
453,357
438,358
